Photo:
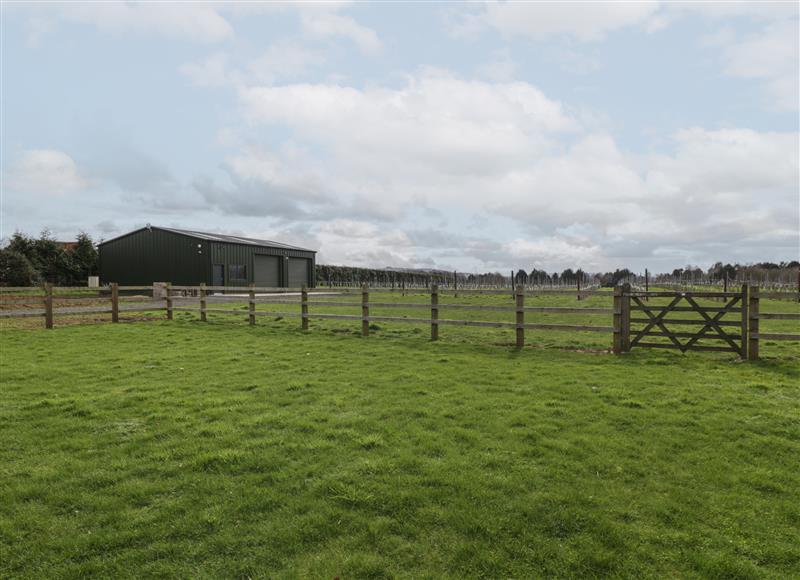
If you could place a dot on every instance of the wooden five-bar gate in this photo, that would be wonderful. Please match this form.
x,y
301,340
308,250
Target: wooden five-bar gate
x,y
732,321
705,322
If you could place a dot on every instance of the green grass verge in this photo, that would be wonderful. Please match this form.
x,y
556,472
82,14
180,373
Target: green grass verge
x,y
185,449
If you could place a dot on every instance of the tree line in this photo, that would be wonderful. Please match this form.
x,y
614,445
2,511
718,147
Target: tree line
x,y
28,261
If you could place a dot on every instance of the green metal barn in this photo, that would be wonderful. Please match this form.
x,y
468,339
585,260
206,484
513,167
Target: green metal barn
x,y
188,258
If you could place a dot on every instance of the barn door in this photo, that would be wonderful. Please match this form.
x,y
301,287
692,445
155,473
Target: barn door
x,y
218,275
266,272
298,272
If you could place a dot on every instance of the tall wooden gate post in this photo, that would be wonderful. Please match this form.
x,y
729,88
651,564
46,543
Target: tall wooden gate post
x,y
520,316
626,317
617,307
48,305
304,307
168,299
753,316
364,310
251,306
203,302
745,321
114,302
435,312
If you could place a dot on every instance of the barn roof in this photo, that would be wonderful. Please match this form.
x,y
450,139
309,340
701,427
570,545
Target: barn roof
x,y
225,238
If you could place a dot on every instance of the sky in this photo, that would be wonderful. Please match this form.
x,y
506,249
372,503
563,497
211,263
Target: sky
x,y
469,136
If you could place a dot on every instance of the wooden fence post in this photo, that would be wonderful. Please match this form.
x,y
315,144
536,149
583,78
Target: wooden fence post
x,y
251,305
753,316
435,312
304,307
626,317
646,284
520,316
48,305
579,287
114,302
745,320
202,302
617,306
168,299
364,310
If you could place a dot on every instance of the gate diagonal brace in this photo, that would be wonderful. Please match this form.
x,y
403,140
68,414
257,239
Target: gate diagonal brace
x,y
658,323
657,320
711,323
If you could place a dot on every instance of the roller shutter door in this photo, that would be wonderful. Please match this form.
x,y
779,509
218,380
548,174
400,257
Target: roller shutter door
x,y
266,271
298,272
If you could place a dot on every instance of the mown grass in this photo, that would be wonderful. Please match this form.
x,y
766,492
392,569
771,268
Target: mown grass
x,y
222,450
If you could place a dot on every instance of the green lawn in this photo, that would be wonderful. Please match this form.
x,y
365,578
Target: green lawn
x,y
185,449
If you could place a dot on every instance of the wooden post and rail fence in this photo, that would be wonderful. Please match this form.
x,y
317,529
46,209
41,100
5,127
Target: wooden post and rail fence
x,y
733,322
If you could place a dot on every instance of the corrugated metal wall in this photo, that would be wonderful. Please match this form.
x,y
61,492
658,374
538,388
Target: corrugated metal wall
x,y
228,254
148,256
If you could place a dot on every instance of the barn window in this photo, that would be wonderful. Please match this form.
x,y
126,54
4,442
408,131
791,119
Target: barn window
x,y
237,271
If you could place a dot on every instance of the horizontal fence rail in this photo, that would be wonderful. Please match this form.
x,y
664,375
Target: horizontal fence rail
x,y
739,333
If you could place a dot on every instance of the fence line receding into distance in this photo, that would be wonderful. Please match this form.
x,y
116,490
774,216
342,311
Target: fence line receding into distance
x,y
629,307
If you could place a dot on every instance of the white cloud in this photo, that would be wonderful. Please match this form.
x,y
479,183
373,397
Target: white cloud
x,y
552,252
211,72
284,171
204,22
773,55
284,59
501,68
46,171
585,21
496,149
434,123
731,160
347,241
193,21
325,24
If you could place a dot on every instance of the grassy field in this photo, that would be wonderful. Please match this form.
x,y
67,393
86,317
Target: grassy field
x,y
222,450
